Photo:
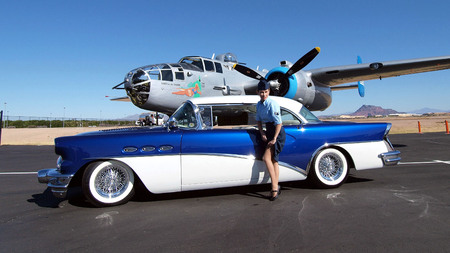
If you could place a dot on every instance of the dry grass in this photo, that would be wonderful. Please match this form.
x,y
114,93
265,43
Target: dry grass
x,y
410,124
40,136
46,136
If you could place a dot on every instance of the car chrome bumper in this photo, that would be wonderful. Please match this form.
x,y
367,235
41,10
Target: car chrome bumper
x,y
57,182
390,158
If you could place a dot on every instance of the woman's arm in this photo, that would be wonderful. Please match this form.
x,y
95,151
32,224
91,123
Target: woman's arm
x,y
277,132
261,131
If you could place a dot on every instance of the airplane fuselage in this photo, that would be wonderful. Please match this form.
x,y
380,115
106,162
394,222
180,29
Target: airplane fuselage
x,y
164,87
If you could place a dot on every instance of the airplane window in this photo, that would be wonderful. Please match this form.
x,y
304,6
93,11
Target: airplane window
x,y
198,63
229,57
175,65
218,67
192,63
154,74
167,75
209,66
164,66
189,66
179,75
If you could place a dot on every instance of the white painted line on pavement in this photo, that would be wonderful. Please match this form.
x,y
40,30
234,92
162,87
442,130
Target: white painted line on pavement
x,y
17,173
429,162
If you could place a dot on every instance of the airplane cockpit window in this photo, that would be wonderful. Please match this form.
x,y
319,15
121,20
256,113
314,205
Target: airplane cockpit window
x,y
167,75
153,72
229,57
209,65
179,75
218,67
192,63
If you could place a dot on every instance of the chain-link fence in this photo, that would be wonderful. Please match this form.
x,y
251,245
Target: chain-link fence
x,y
49,122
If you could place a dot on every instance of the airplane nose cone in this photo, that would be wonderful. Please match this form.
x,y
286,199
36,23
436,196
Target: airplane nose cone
x,y
138,87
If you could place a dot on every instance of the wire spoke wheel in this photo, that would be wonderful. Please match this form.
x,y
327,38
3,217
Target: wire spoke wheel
x,y
108,183
330,168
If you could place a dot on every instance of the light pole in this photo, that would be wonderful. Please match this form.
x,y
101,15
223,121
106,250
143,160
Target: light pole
x,y
4,122
64,115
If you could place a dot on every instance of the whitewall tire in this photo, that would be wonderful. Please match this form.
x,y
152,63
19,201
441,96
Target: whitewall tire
x,y
108,183
330,168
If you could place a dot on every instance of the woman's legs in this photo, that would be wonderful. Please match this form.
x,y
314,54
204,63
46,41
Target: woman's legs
x,y
273,168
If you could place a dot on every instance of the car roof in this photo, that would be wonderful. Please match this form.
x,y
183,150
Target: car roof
x,y
247,99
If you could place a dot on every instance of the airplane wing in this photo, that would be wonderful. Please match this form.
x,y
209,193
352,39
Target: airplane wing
x,y
332,76
124,99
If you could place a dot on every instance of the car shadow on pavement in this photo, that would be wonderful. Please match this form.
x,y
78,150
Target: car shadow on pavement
x,y
46,199
75,196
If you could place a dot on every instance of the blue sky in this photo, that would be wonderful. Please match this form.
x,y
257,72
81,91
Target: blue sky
x,y
69,54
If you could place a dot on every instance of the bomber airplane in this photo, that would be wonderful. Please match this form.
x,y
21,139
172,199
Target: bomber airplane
x,y
163,87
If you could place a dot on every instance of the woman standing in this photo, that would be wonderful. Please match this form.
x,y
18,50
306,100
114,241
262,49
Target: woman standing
x,y
268,112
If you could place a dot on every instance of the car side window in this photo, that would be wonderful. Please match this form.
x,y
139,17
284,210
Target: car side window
x,y
206,115
237,116
288,118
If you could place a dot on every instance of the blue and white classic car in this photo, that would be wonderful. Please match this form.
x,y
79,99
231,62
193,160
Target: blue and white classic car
x,y
211,143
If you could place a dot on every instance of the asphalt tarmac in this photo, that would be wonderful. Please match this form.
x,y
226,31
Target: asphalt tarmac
x,y
404,208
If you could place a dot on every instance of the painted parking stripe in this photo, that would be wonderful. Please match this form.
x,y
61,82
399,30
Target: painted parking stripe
x,y
17,173
429,162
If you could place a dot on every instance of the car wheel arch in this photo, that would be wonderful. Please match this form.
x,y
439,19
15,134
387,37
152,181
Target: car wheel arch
x,y
347,155
311,169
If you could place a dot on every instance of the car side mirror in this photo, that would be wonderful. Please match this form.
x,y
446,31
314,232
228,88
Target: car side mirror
x,y
172,124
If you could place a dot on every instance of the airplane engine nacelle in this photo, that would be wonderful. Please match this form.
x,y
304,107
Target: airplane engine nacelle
x,y
301,88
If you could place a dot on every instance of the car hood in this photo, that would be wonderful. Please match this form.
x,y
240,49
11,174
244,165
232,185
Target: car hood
x,y
129,130
80,149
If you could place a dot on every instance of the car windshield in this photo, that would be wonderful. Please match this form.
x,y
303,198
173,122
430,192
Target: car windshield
x,y
311,118
185,117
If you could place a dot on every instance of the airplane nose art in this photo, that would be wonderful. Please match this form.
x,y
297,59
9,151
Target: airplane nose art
x,y
138,87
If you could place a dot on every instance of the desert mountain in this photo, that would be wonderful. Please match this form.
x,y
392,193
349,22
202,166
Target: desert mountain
x,y
371,110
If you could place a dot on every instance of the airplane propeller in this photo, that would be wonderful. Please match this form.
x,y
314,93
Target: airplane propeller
x,y
300,64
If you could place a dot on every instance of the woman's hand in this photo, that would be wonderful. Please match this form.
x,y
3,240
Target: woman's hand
x,y
271,143
264,137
